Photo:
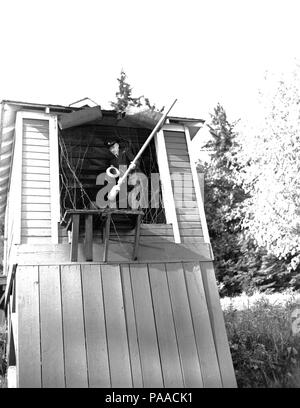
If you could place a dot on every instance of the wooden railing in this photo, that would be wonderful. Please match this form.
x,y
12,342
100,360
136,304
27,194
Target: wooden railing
x,y
72,220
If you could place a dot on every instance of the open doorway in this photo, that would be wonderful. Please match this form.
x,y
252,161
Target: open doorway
x,y
84,155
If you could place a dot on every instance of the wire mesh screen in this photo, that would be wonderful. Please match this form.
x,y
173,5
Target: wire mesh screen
x,y
84,155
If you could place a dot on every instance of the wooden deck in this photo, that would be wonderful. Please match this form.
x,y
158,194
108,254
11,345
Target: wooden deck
x,y
121,325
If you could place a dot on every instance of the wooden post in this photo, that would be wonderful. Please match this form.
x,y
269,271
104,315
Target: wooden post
x,y
89,237
137,236
106,237
75,237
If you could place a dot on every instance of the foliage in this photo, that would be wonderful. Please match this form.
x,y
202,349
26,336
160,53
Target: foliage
x,y
223,196
223,139
124,98
272,210
124,95
264,351
238,211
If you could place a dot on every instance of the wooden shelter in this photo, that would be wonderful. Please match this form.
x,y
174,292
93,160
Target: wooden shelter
x,y
132,302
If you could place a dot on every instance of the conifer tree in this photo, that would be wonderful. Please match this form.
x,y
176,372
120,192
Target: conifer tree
x,y
223,195
124,95
124,98
232,180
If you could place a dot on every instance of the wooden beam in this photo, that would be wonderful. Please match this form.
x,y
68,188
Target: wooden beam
x,y
116,330
106,237
89,237
218,325
137,237
166,332
146,328
75,360
75,238
185,334
95,327
201,322
136,369
52,352
28,343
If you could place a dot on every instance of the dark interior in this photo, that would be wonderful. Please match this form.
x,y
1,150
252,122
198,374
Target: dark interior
x,y
84,155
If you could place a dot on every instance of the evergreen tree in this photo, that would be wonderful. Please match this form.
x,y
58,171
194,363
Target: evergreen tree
x,y
223,195
124,95
240,264
223,140
124,98
242,214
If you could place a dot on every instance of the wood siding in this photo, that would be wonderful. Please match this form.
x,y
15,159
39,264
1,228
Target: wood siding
x,y
120,325
187,211
36,201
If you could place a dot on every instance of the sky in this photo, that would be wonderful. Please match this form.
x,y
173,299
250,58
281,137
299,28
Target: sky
x,y
201,52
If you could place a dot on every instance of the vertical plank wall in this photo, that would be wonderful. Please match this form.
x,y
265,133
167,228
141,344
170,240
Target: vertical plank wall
x,y
183,187
128,325
36,216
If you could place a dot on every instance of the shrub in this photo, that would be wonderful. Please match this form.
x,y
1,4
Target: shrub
x,y
264,350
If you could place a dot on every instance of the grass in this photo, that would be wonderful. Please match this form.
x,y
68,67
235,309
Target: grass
x,y
264,348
